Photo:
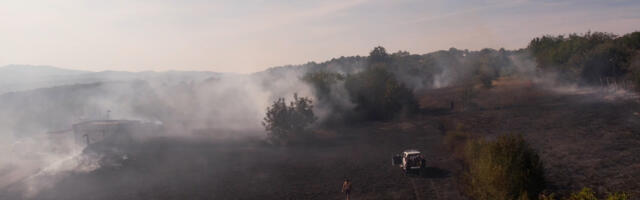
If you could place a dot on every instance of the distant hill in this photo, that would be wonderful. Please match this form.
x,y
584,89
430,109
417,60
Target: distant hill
x,y
10,71
34,111
15,78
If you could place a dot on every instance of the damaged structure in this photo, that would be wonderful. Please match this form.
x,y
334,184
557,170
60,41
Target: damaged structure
x,y
89,132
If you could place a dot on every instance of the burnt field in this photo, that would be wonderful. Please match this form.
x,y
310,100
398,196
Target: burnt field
x,y
249,169
586,138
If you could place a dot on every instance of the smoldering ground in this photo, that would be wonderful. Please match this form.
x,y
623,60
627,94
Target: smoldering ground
x,y
212,144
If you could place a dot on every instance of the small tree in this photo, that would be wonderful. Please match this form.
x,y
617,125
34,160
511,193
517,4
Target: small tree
x,y
283,123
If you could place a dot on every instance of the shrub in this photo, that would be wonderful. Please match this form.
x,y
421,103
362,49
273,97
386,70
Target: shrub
x,y
485,78
584,194
506,168
634,68
283,123
589,194
619,196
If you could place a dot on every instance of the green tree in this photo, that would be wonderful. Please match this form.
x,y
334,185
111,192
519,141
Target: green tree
x,y
379,55
587,58
286,123
378,94
322,81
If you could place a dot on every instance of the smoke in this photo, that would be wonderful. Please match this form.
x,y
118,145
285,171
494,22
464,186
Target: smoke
x,y
339,101
33,163
56,168
525,67
443,79
37,148
229,102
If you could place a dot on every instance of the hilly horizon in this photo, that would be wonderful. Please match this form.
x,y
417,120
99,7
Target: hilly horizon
x,y
21,77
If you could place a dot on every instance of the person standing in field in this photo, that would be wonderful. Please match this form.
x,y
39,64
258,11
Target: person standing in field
x,y
346,187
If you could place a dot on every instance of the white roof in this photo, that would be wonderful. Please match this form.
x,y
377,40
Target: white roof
x,y
411,151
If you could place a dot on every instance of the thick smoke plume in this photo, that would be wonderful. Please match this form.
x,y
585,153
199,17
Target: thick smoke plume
x,y
37,147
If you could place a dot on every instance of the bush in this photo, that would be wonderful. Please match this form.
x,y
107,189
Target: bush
x,y
584,194
506,168
619,196
634,68
283,123
485,77
588,194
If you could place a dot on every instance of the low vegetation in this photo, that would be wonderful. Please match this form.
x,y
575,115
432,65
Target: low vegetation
x,y
504,168
455,141
587,194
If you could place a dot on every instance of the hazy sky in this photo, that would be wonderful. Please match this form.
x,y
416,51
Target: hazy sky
x,y
252,35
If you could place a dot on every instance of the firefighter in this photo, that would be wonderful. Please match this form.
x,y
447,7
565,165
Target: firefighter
x,y
346,187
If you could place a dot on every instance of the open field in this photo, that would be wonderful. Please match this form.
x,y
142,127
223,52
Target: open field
x,y
586,138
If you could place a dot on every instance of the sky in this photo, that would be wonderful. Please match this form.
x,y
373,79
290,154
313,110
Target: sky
x,y
246,36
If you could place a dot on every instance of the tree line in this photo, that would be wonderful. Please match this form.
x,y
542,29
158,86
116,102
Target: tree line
x,y
590,57
383,85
